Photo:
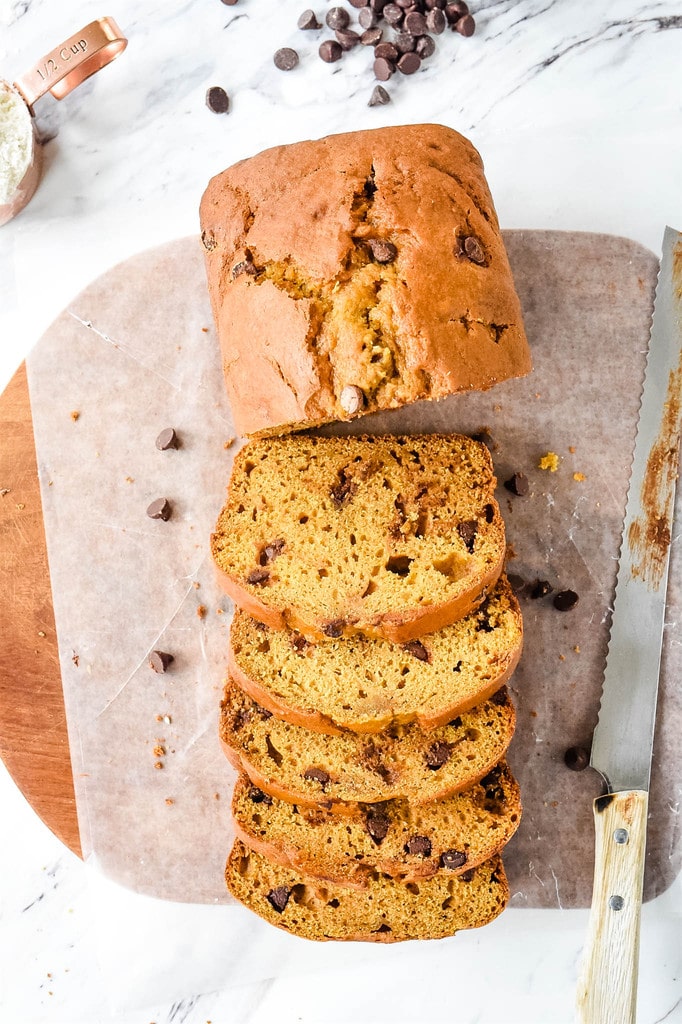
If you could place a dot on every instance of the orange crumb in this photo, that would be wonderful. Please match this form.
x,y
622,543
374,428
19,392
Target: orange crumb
x,y
159,718
577,649
204,330
130,479
554,803
75,415
550,461
533,714
579,477
571,449
562,657
216,796
201,612
219,611
230,441
158,765
159,751
169,801
196,585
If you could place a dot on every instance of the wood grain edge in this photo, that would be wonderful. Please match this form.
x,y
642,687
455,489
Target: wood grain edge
x,y
34,742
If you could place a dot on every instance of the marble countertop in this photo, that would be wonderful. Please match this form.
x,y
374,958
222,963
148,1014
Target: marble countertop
x,y
576,110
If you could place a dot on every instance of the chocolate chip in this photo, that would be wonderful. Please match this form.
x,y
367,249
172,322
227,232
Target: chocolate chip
x,y
160,509
379,97
491,784
316,775
404,42
378,824
399,565
518,484
347,38
244,267
393,14
308,20
409,63
455,11
382,251
517,583
371,37
217,100
467,531
386,50
565,600
436,21
456,723
418,845
541,588
352,398
466,26
299,643
285,58
330,51
343,489
500,697
334,629
160,660
489,513
358,3
415,23
469,247
367,18
438,754
383,69
577,759
167,439
208,241
425,47
417,650
452,859
467,876
278,898
229,3
257,796
258,577
337,17
271,551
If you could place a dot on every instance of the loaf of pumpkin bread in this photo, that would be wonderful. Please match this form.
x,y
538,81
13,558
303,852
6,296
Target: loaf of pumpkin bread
x,y
356,273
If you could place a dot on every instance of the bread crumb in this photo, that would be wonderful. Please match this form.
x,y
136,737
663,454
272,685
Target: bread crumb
x,y
75,658
159,718
159,751
196,585
533,714
169,801
158,765
75,415
204,330
216,796
571,449
579,477
550,461
230,441
130,479
562,657
219,611
201,611
577,649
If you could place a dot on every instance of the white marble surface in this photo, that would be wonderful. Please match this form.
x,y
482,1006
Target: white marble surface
x,y
576,110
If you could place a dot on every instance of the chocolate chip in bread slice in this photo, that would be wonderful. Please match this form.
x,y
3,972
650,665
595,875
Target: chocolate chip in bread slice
x,y
403,762
392,537
393,838
388,910
366,685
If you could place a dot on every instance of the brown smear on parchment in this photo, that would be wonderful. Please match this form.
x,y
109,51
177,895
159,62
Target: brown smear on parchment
x,y
649,535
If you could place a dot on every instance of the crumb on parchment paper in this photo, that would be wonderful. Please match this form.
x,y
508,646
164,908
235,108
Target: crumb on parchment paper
x,y
75,415
550,461
201,611
579,477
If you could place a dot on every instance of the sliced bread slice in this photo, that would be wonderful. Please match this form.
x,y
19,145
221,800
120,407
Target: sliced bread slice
x,y
386,911
366,685
386,536
393,838
309,768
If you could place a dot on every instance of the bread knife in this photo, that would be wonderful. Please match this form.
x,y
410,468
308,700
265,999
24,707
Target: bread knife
x,y
622,745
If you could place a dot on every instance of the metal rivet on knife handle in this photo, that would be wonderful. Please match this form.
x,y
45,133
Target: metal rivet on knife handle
x,y
616,903
621,836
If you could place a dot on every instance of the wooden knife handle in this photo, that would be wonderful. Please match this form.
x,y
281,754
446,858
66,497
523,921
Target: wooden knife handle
x,y
607,989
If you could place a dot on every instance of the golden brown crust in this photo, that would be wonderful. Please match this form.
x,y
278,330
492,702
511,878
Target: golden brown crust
x,y
303,313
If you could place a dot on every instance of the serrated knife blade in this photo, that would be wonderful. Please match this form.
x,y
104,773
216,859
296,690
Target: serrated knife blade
x,y
622,745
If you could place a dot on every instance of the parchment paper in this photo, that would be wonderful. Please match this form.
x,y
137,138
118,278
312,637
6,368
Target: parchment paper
x,y
135,353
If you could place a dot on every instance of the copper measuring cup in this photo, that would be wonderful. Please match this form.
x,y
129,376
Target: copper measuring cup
x,y
58,72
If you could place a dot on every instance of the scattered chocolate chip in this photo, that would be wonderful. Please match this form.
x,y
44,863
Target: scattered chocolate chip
x,y
244,267
352,398
278,898
393,14
259,797
229,3
367,18
415,23
452,859
467,531
160,509
378,823
371,37
383,69
518,484
425,47
258,577
271,551
160,660
565,600
438,754
436,21
316,775
337,17
386,50
417,650
217,100
455,11
167,439
308,20
379,97
517,583
466,26
409,63
404,42
334,629
418,845
347,38
299,643
358,3
382,250
330,50
577,759
285,58
541,588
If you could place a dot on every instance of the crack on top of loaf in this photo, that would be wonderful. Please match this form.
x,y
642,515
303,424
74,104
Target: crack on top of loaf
x,y
487,214
495,330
